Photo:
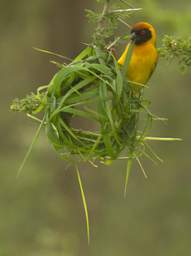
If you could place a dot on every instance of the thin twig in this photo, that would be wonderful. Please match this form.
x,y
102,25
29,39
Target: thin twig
x,y
162,139
123,157
142,169
113,43
93,164
150,158
152,151
125,10
126,3
30,148
129,167
34,118
125,23
139,84
52,53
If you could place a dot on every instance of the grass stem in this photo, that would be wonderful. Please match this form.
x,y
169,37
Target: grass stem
x,y
30,148
129,167
84,204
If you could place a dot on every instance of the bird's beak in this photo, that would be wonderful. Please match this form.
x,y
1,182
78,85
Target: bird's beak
x,y
133,36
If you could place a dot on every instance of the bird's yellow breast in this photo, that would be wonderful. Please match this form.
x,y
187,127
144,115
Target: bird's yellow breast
x,y
143,61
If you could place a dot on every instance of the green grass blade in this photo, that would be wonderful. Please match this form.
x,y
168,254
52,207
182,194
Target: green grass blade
x,y
150,157
74,89
105,102
34,118
84,204
129,167
162,139
30,148
77,87
101,69
63,74
68,129
91,94
99,77
128,58
153,152
53,134
51,53
83,54
99,55
119,82
81,113
142,168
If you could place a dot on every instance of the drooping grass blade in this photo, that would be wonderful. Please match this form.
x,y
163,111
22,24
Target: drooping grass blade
x,y
30,148
84,204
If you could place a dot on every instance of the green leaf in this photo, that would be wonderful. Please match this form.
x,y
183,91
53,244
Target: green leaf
x,y
83,54
128,58
74,89
106,102
119,81
84,204
56,83
80,113
68,129
30,148
129,167
86,95
77,88
101,68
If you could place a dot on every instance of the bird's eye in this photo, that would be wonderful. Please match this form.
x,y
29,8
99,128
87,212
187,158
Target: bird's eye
x,y
142,32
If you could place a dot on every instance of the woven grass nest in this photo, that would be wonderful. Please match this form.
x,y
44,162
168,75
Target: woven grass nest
x,y
92,88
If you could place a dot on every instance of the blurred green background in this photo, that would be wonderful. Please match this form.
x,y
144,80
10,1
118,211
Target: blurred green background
x,y
41,213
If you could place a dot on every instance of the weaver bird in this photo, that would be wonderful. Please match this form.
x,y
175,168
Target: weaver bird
x,y
144,55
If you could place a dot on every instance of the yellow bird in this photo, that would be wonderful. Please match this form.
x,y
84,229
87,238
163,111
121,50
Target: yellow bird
x,y
144,56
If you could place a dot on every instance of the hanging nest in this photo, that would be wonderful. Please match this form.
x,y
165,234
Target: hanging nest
x,y
92,88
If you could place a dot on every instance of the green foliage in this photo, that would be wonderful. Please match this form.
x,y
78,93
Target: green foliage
x,y
178,49
107,25
93,78
32,103
108,20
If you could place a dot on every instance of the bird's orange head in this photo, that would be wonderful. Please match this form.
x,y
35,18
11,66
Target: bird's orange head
x,y
143,32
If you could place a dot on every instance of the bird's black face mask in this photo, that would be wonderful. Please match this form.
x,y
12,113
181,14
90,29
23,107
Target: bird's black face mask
x,y
140,36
